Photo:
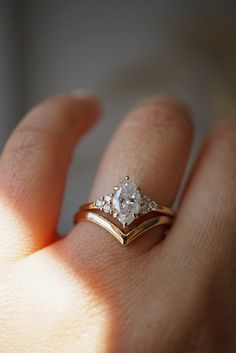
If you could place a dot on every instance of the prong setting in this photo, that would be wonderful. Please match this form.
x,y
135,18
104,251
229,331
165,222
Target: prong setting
x,y
126,203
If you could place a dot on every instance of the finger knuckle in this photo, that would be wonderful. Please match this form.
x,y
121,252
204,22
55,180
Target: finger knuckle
x,y
26,141
159,113
22,157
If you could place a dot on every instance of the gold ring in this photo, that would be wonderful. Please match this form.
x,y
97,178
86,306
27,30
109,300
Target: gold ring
x,y
125,213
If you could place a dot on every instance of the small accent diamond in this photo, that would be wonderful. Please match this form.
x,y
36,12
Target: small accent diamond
x,y
107,208
99,203
153,206
108,198
144,204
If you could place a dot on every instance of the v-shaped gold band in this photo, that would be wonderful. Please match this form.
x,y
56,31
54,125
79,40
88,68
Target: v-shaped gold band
x,y
124,238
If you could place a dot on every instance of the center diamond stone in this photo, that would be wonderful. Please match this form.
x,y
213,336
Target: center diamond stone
x,y
126,202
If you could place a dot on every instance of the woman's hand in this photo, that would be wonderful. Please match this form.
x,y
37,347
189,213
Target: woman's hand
x,y
86,293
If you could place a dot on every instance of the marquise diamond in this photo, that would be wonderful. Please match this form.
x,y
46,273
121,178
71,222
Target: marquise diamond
x,y
126,202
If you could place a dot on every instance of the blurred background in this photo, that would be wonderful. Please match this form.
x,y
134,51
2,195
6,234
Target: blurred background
x,y
123,51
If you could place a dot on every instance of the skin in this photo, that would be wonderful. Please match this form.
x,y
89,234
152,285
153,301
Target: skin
x,y
85,292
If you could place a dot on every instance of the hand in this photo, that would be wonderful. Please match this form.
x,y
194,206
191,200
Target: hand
x,y
86,293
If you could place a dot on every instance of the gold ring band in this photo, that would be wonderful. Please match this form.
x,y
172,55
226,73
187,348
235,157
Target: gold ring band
x,y
163,210
126,213
122,237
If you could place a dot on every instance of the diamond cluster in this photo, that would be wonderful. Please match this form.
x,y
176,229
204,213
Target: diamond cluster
x,y
105,203
126,203
148,205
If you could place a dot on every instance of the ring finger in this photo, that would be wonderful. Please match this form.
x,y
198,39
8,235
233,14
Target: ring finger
x,y
151,146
